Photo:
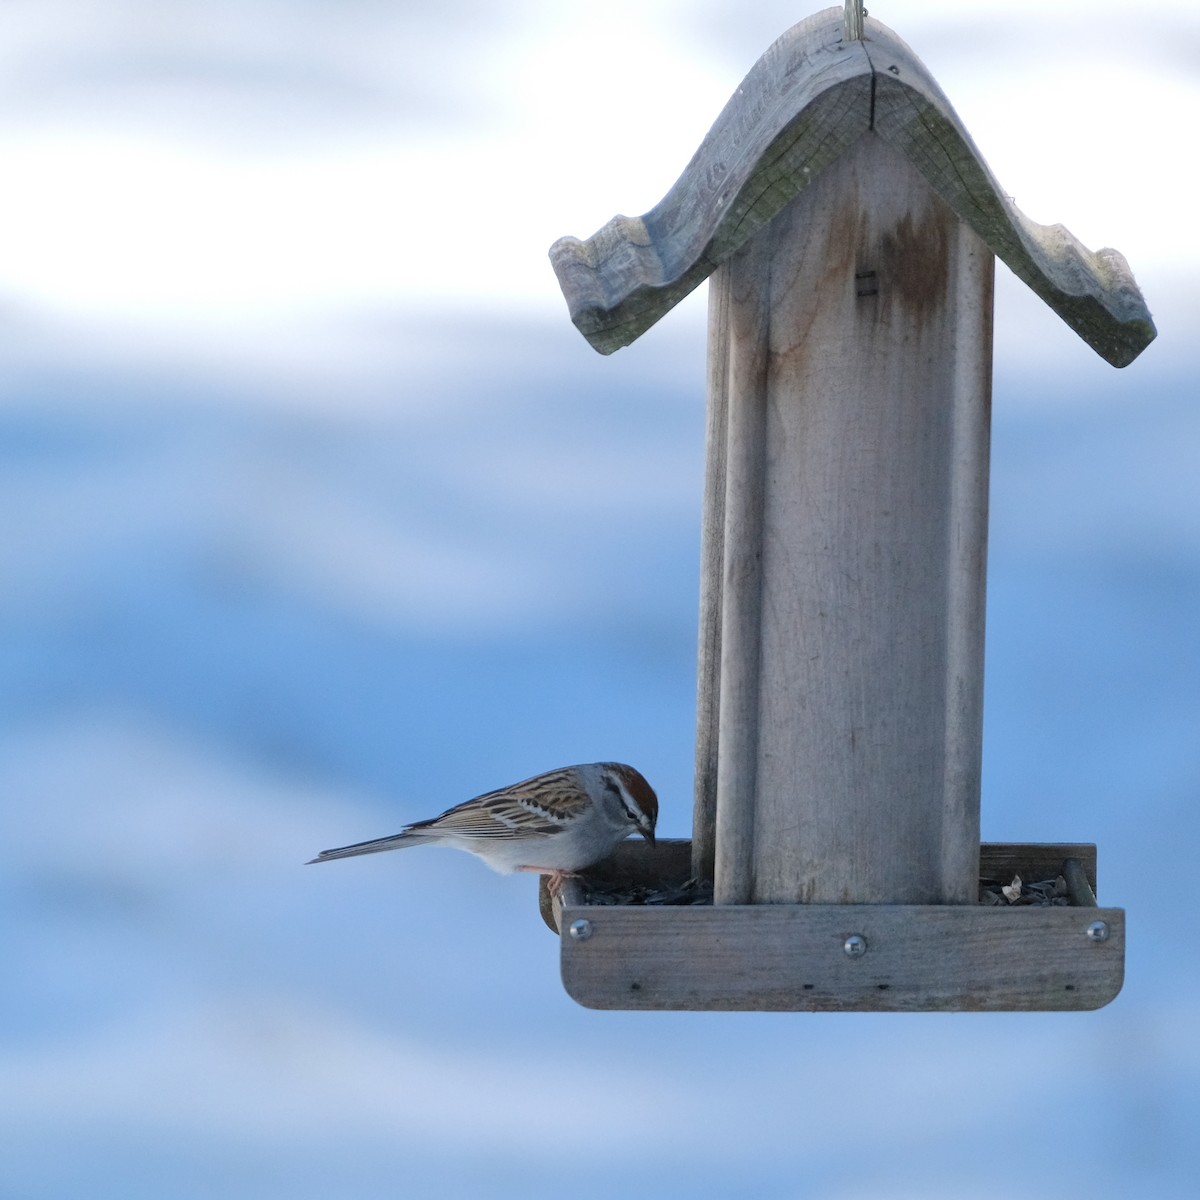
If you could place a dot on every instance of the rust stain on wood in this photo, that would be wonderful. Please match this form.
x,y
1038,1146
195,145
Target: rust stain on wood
x,y
915,262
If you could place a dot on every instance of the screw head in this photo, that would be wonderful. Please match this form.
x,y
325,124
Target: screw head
x,y
1097,931
855,945
580,930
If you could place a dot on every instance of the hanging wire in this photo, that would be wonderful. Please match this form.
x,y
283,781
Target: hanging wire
x,y
854,20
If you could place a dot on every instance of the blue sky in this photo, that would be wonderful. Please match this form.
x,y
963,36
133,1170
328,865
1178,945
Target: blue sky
x,y
320,517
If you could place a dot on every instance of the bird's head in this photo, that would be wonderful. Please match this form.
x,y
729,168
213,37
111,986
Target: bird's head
x,y
636,796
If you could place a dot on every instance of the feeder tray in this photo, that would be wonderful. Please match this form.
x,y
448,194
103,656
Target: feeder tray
x,y
672,949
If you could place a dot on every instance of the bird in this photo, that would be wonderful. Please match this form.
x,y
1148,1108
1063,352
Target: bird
x,y
554,824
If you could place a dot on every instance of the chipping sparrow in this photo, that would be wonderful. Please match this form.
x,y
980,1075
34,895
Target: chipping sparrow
x,y
553,824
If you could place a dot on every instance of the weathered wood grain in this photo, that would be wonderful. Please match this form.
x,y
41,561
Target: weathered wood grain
x,y
810,97
1000,861
791,958
635,863
803,102
1094,292
712,557
853,360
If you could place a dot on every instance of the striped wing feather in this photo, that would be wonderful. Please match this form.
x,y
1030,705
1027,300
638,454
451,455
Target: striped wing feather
x,y
536,808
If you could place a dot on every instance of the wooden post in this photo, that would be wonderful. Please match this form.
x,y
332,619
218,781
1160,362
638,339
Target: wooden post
x,y
850,367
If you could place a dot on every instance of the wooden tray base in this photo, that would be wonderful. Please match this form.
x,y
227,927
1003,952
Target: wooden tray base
x,y
794,957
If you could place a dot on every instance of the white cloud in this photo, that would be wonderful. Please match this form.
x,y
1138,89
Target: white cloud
x,y
118,795
268,1070
161,218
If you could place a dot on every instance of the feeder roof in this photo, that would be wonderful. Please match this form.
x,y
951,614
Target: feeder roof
x,y
809,97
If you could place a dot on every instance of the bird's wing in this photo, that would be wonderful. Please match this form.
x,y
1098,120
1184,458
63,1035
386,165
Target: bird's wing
x,y
522,811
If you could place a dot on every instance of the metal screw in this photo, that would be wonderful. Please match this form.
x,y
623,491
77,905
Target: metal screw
x,y
1097,931
855,945
580,930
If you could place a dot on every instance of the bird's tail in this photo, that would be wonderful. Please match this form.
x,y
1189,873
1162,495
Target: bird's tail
x,y
396,842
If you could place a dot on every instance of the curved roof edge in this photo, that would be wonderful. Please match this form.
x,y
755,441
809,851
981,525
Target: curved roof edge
x,y
808,98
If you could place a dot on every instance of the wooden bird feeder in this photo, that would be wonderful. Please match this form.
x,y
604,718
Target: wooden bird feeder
x,y
848,224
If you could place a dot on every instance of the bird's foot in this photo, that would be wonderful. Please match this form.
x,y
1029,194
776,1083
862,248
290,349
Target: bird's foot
x,y
556,878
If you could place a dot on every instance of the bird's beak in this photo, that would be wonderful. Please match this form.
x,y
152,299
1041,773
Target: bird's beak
x,y
648,833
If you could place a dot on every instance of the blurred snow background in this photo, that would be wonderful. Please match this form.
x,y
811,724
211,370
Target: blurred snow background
x,y
319,516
